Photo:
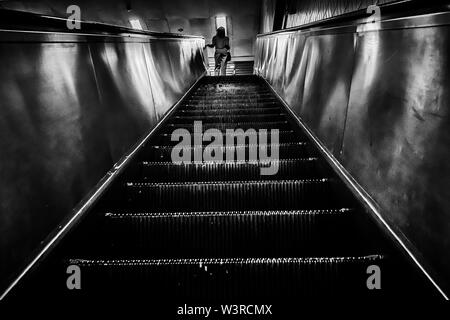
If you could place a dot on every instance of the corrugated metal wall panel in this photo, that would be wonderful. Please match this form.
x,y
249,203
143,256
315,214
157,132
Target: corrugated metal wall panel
x,y
379,102
302,12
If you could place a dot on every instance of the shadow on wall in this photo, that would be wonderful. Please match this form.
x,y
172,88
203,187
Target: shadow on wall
x,y
379,101
70,108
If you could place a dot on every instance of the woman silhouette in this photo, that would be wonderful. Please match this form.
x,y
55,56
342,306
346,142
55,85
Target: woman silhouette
x,y
222,44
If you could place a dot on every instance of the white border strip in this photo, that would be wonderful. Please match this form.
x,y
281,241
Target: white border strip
x,y
343,173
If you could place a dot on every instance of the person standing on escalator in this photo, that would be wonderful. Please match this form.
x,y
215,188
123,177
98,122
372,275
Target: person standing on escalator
x,y
222,55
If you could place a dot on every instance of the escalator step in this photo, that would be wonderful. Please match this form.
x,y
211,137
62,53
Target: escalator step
x,y
233,95
223,111
218,105
252,94
230,108
283,136
251,90
231,233
285,151
231,195
226,171
229,118
255,92
222,104
281,125
230,101
229,278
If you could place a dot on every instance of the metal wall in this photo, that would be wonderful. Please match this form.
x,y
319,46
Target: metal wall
x,y
70,107
302,12
378,97
267,15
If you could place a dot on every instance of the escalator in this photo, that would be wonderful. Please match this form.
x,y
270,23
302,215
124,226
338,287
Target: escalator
x,y
214,231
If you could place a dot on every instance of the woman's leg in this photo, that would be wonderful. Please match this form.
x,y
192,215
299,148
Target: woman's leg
x,y
218,63
223,67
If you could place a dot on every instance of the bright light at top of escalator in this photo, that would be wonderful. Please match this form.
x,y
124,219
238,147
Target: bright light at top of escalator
x,y
136,24
221,21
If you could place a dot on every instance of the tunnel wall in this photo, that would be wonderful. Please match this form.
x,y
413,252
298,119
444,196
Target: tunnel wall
x,y
378,99
70,107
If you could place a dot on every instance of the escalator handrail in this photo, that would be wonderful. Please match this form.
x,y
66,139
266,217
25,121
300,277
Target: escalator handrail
x,y
27,21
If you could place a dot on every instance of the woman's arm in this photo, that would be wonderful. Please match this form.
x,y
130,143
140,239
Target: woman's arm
x,y
213,44
227,43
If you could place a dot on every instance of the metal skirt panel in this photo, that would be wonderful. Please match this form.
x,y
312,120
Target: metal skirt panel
x,y
379,101
71,107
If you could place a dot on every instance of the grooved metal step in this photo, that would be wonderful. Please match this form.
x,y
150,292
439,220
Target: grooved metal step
x,y
229,278
224,152
280,125
233,93
229,118
233,96
230,89
286,136
226,171
231,195
220,103
232,233
223,111
225,104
